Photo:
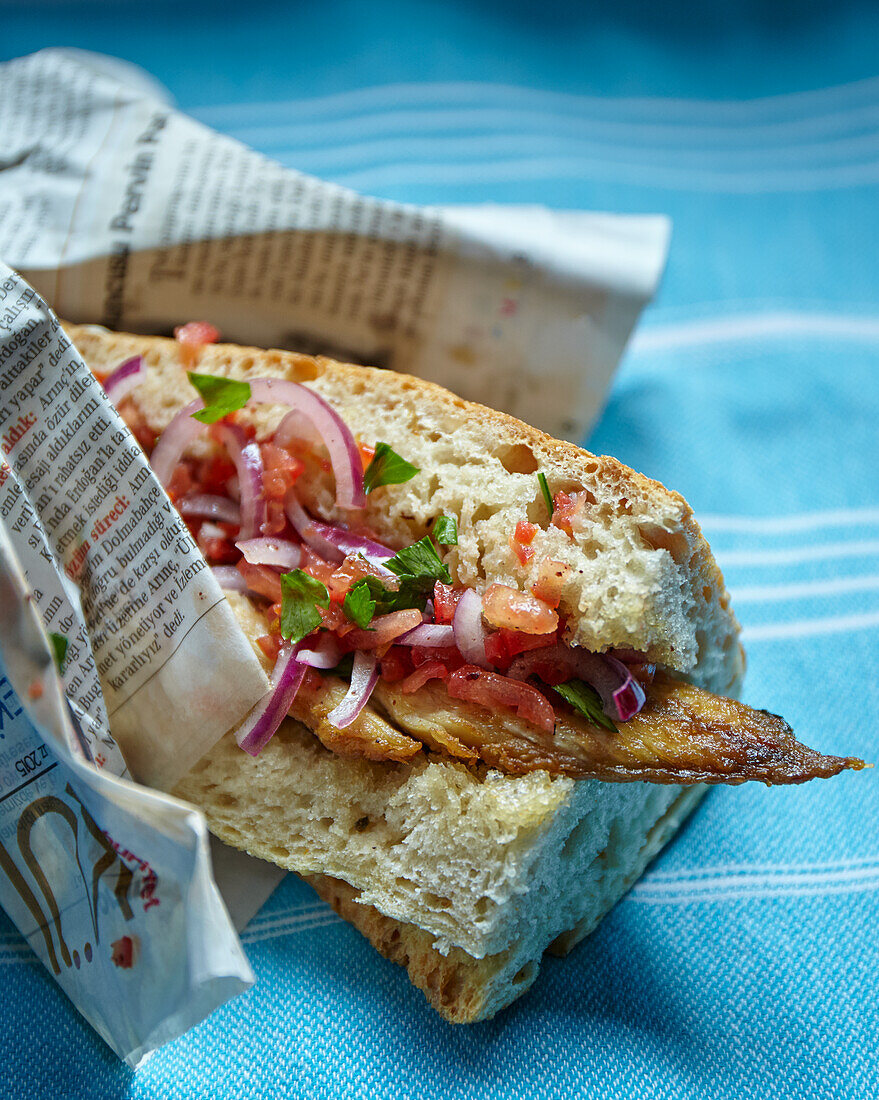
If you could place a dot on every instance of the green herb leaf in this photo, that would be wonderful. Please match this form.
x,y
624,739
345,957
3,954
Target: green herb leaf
x,y
59,648
387,468
445,531
420,561
547,496
221,396
587,701
384,599
359,606
301,596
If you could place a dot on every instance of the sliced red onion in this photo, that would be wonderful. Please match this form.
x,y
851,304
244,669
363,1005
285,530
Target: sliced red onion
x,y
364,677
430,634
343,451
343,540
271,551
344,455
260,725
627,697
210,531
335,543
174,440
621,694
125,378
228,578
210,506
307,529
326,654
296,426
468,629
248,463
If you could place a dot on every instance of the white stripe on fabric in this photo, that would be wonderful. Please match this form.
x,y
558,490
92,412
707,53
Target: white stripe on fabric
x,y
724,870
838,98
487,148
834,624
739,887
660,136
282,916
753,326
778,879
690,179
858,548
782,525
805,590
293,927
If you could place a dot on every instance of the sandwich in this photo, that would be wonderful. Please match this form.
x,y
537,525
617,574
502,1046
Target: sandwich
x,y
503,670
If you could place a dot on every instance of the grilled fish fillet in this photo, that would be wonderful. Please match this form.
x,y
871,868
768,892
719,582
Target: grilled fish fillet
x,y
682,735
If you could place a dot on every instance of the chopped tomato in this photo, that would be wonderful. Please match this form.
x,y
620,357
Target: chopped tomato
x,y
564,509
488,689
551,581
182,482
197,333
270,644
220,551
261,579
525,532
192,337
384,629
523,553
430,671
510,609
334,618
275,522
521,539
316,566
280,471
215,473
446,655
394,665
445,600
501,646
367,454
353,568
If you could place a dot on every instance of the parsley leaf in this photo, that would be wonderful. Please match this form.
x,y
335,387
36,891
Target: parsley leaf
x,y
301,595
445,531
371,591
418,566
420,561
547,496
59,648
359,605
221,396
586,700
387,468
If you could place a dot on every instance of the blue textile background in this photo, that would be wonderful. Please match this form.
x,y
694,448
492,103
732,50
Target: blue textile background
x,y
745,963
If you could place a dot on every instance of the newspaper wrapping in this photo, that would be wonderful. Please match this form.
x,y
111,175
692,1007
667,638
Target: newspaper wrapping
x,y
121,211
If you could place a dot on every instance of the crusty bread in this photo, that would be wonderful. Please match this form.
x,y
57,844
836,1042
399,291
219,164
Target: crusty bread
x,y
477,872
465,990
